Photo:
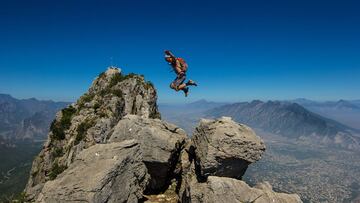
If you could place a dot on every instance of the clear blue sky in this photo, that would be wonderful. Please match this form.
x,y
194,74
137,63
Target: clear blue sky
x,y
236,50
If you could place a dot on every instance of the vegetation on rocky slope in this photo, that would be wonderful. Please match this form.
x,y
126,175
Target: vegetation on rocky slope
x,y
90,120
58,128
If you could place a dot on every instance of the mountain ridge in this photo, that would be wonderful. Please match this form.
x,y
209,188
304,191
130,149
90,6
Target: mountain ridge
x,y
344,111
290,120
26,118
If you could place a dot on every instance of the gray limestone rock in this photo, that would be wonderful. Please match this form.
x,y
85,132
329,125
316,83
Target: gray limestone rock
x,y
102,173
229,190
225,148
160,142
90,120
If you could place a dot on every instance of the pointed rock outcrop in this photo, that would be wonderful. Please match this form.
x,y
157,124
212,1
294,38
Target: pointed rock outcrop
x,y
90,121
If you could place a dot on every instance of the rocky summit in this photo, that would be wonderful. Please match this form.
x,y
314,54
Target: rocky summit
x,y
112,146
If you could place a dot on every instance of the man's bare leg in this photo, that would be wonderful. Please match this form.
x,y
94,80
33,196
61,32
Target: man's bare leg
x,y
182,86
173,86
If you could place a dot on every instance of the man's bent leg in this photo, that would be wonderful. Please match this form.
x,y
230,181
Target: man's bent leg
x,y
174,87
182,86
179,82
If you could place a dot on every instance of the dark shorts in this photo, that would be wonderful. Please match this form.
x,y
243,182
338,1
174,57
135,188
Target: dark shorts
x,y
179,80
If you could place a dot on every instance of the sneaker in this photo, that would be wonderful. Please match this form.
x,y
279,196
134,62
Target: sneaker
x,y
186,91
191,82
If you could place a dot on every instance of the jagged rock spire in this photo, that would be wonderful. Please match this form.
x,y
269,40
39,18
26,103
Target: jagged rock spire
x,y
90,120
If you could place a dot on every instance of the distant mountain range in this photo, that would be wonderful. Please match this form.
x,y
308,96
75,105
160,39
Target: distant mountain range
x,y
187,115
344,111
340,104
26,119
21,121
290,120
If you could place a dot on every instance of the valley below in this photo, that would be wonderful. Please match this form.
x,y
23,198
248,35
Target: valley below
x,y
316,173
15,167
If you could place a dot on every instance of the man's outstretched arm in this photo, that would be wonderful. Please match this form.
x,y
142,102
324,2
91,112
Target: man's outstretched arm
x,y
167,52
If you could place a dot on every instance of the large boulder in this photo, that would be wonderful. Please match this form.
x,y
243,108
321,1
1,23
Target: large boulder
x,y
102,173
225,148
160,142
229,190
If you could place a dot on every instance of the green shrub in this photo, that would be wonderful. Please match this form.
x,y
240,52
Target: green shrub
x,y
56,169
57,152
115,80
105,91
130,75
119,77
148,85
102,114
67,115
18,198
102,75
82,130
117,92
34,173
57,132
85,99
58,127
96,106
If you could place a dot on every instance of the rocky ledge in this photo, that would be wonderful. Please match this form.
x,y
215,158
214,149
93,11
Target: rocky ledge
x,y
111,146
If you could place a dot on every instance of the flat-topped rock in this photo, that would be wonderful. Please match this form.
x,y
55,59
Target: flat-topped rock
x,y
229,190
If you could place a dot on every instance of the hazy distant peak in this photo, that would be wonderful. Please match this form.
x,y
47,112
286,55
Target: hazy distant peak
x,y
201,101
288,119
256,102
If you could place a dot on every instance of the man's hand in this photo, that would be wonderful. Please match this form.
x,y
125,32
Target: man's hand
x,y
167,52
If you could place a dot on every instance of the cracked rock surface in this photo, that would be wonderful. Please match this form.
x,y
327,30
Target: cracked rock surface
x,y
225,148
229,190
102,173
160,142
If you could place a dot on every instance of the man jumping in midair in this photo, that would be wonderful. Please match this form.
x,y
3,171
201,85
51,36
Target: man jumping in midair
x,y
180,67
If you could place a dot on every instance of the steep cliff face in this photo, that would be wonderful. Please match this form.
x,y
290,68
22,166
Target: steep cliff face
x,y
90,121
111,146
